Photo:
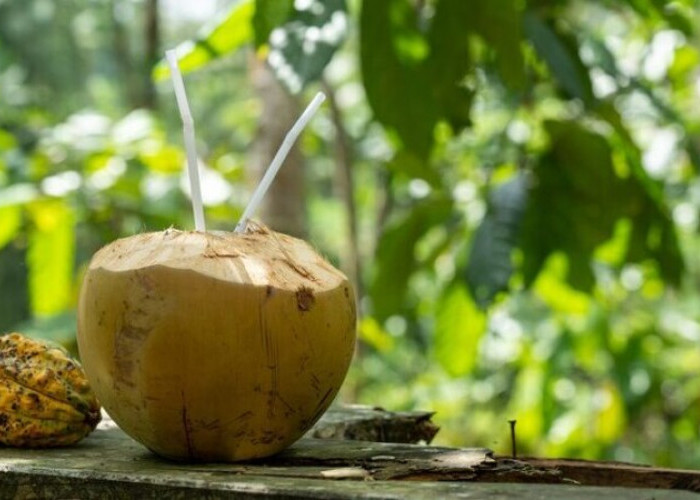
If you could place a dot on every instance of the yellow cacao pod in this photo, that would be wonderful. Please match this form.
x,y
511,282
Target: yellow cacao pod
x,y
215,346
45,398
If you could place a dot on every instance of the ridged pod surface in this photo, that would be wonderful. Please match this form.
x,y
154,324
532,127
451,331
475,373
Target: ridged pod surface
x,y
215,346
45,397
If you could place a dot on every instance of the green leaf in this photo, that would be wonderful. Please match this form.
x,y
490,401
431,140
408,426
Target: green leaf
x,y
577,200
652,215
10,223
500,24
7,140
451,60
226,36
301,48
50,256
268,15
398,87
459,327
163,159
490,267
14,306
602,57
654,237
673,13
560,52
371,332
407,163
395,261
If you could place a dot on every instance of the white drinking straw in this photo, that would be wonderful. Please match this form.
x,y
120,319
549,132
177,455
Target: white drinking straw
x,y
188,132
277,161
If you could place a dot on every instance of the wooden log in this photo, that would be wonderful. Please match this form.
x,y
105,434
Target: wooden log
x,y
372,423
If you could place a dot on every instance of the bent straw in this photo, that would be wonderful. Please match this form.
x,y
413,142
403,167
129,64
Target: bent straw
x,y
188,133
277,161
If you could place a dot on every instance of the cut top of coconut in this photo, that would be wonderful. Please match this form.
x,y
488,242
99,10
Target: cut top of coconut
x,y
262,258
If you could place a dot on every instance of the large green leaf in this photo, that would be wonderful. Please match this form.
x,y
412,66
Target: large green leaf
x,y
50,256
605,60
490,267
302,38
10,223
397,84
576,203
301,48
407,163
560,51
500,24
450,60
672,13
395,262
268,15
653,217
230,33
459,327
412,80
654,237
414,77
14,306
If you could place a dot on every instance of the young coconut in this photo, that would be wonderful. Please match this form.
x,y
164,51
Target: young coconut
x,y
215,346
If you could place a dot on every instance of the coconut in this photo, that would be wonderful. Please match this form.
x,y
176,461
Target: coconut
x,y
215,346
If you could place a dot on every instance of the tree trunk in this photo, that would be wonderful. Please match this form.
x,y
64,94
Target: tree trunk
x,y
122,56
345,184
136,71
283,208
151,53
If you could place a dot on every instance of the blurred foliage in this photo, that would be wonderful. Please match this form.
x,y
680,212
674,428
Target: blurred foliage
x,y
525,183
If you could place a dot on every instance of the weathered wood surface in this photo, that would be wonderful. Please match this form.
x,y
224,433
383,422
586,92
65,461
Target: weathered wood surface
x,y
588,472
109,465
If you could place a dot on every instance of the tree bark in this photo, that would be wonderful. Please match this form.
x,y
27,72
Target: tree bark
x,y
151,53
283,208
346,186
122,56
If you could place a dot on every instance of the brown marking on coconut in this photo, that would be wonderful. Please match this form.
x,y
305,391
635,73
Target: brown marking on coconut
x,y
145,282
299,270
186,428
243,416
315,383
138,312
101,321
128,341
271,355
305,298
